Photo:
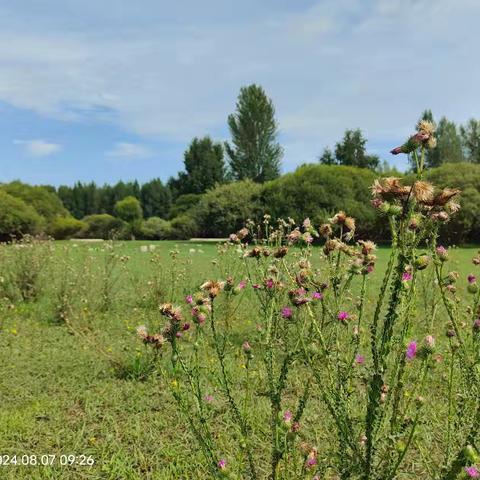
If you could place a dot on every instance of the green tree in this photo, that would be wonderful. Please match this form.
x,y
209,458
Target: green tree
x,y
224,209
156,199
17,218
320,191
351,151
255,153
45,202
128,209
204,165
471,140
449,145
327,157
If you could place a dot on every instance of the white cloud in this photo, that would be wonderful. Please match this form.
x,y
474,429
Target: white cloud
x,y
39,148
175,70
128,151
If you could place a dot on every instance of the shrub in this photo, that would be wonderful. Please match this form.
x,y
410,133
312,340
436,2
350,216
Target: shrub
x,y
45,202
184,203
65,227
465,225
128,209
155,228
183,227
318,191
102,226
226,207
17,218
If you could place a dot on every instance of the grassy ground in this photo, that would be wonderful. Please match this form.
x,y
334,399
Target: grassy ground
x,y
62,395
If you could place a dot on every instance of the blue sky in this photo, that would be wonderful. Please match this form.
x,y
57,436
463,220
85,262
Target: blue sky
x,y
115,89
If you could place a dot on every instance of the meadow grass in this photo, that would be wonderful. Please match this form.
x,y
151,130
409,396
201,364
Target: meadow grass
x,y
90,391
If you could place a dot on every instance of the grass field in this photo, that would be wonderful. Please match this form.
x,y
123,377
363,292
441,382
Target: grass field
x,y
82,391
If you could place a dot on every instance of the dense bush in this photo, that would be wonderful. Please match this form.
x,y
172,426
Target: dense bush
x,y
183,227
318,191
45,202
184,203
225,208
156,228
102,226
66,227
465,225
17,218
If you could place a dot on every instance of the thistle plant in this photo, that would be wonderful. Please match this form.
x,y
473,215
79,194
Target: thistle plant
x,y
316,354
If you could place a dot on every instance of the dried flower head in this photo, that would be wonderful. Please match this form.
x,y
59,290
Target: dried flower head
x,y
422,191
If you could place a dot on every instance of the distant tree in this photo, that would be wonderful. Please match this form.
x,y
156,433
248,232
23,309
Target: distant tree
x,y
255,153
471,140
327,157
204,165
224,209
17,218
351,151
156,199
449,145
46,203
128,209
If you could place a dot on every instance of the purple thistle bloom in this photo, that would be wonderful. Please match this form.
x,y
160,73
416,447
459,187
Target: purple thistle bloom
x,y
269,283
311,462
189,299
256,286
208,398
411,350
359,359
472,472
242,284
287,312
406,277
222,464
287,416
342,316
471,279
317,295
476,324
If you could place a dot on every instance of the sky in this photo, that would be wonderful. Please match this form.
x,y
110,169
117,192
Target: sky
x,y
116,89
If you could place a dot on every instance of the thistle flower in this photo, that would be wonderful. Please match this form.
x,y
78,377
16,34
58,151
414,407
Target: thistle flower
x,y
325,230
472,472
287,416
442,253
280,252
242,233
317,295
222,464
359,359
476,325
142,332
406,276
189,299
208,398
242,284
422,191
294,236
343,316
338,218
287,312
411,350
471,279
212,287
367,246
246,347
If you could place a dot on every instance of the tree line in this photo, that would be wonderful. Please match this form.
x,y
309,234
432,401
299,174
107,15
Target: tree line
x,y
244,171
